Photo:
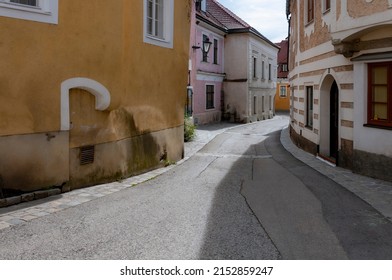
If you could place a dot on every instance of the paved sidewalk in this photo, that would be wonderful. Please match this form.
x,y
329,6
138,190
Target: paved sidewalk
x,y
376,192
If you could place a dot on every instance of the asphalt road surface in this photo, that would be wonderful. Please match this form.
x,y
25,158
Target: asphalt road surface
x,y
240,197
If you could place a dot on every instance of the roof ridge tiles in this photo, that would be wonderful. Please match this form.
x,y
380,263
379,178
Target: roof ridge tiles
x,y
226,17
235,17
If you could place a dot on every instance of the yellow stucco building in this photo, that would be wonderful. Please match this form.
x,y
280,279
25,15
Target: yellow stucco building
x,y
282,97
90,91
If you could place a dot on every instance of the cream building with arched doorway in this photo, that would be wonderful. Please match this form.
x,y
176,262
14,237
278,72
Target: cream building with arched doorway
x,y
341,81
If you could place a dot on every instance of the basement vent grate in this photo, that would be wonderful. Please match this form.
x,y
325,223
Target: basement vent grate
x,y
87,154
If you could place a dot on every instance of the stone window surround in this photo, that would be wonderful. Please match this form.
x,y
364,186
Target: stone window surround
x,y
168,29
46,12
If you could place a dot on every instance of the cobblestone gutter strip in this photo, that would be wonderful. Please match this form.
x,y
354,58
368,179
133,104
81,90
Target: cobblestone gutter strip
x,y
9,201
62,201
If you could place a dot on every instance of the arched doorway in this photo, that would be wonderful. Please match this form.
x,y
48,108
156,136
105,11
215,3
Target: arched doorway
x,y
334,122
329,119
84,104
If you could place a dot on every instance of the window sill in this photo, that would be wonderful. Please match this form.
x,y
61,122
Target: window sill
x,y
378,126
149,39
47,13
309,23
26,8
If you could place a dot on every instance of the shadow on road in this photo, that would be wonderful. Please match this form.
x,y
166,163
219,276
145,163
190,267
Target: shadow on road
x,y
234,231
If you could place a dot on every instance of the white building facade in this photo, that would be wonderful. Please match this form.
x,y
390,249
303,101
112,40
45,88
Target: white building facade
x,y
341,81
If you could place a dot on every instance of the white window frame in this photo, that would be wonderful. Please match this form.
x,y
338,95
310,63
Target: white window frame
x,y
168,25
46,11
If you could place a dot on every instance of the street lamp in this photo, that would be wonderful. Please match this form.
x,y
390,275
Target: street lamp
x,y
206,45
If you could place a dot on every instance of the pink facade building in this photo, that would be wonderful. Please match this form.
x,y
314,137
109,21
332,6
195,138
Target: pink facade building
x,y
206,65
233,67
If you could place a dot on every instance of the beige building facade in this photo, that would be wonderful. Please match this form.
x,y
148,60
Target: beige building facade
x,y
340,63
85,91
251,75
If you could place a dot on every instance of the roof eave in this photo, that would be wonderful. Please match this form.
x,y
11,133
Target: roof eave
x,y
254,32
203,19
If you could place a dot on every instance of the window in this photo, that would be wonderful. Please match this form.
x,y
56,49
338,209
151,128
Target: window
x,y
33,3
309,107
254,105
45,11
198,5
205,54
292,103
310,10
155,18
283,91
210,97
285,67
327,5
262,70
269,72
380,94
158,22
254,67
215,51
270,103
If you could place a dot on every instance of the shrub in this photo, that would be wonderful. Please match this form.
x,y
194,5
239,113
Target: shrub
x,y
189,129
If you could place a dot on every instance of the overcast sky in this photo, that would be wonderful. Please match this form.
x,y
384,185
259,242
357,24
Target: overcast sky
x,y
267,16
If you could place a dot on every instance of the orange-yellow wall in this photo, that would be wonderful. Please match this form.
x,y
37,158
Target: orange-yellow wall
x,y
282,103
103,41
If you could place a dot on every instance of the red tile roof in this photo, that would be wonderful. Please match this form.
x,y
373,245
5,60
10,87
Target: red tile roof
x,y
225,16
219,16
282,55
